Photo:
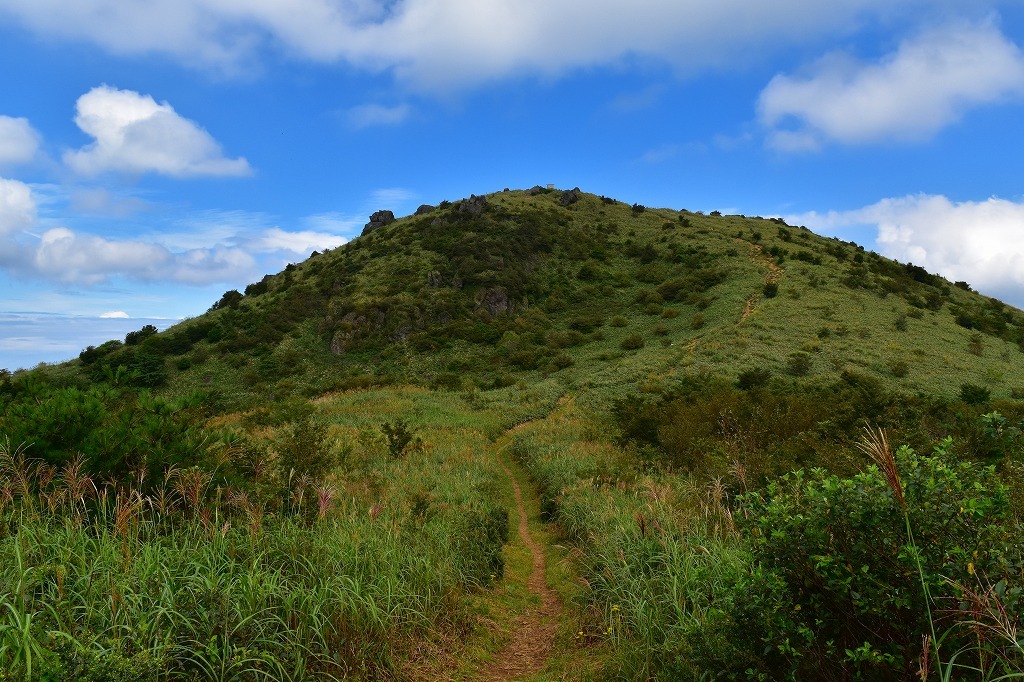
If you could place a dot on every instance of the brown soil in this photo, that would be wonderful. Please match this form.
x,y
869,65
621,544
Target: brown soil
x,y
534,632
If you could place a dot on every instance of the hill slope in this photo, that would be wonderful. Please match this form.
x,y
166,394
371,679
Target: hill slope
x,y
589,292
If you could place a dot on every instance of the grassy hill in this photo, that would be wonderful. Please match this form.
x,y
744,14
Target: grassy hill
x,y
515,286
316,478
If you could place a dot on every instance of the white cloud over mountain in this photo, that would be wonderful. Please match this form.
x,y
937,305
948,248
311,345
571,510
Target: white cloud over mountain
x,y
134,134
980,242
911,94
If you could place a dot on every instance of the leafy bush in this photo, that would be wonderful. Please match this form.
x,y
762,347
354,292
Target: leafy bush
x,y
753,378
306,449
632,342
799,363
837,588
398,435
972,394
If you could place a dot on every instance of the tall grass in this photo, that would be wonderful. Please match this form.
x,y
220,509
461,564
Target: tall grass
x,y
190,578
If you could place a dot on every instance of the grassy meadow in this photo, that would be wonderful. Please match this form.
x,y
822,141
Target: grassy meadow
x,y
747,451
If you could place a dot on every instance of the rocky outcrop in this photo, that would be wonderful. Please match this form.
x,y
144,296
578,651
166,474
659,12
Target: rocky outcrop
x,y
473,206
424,209
495,301
378,220
569,197
534,191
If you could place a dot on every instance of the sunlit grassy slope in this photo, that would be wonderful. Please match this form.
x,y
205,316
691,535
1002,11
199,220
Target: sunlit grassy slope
x,y
596,295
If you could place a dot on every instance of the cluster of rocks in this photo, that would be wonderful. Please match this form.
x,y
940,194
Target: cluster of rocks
x,y
378,220
473,206
569,196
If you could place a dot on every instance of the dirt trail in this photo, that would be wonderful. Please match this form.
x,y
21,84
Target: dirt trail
x,y
773,277
534,632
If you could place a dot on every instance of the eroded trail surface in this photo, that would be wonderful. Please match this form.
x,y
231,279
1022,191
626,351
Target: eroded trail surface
x,y
534,632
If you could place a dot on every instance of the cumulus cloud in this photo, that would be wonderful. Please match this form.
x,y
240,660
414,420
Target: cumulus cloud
x,y
925,85
19,141
72,258
17,207
114,315
135,134
975,241
450,43
368,115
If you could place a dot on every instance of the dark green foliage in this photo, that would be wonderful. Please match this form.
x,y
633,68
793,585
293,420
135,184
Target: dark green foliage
x,y
632,342
753,378
398,436
972,394
770,289
135,338
257,288
835,589
230,299
484,530
305,447
799,363
118,429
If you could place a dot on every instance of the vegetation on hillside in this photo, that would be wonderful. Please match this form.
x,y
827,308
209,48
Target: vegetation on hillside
x,y
302,483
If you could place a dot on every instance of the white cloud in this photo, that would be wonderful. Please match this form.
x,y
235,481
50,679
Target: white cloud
x,y
911,94
114,315
276,239
73,258
134,134
19,142
368,115
980,242
438,44
17,207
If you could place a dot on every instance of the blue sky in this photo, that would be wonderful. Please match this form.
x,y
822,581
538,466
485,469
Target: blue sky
x,y
156,153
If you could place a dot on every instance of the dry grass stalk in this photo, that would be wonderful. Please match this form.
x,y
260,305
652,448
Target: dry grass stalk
x,y
191,485
988,616
925,670
127,509
78,484
325,494
875,444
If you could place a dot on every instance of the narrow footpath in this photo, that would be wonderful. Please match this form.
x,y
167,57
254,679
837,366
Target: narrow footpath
x,y
533,633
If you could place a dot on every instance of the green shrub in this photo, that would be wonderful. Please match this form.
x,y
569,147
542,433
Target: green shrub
x,y
898,368
398,436
837,590
771,289
632,342
753,378
972,394
799,363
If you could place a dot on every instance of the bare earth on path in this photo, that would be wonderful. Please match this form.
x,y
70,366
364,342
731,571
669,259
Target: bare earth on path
x,y
534,631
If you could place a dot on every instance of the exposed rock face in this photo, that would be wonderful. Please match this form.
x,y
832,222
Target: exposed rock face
x,y
378,219
473,206
424,209
534,191
569,196
351,328
494,300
